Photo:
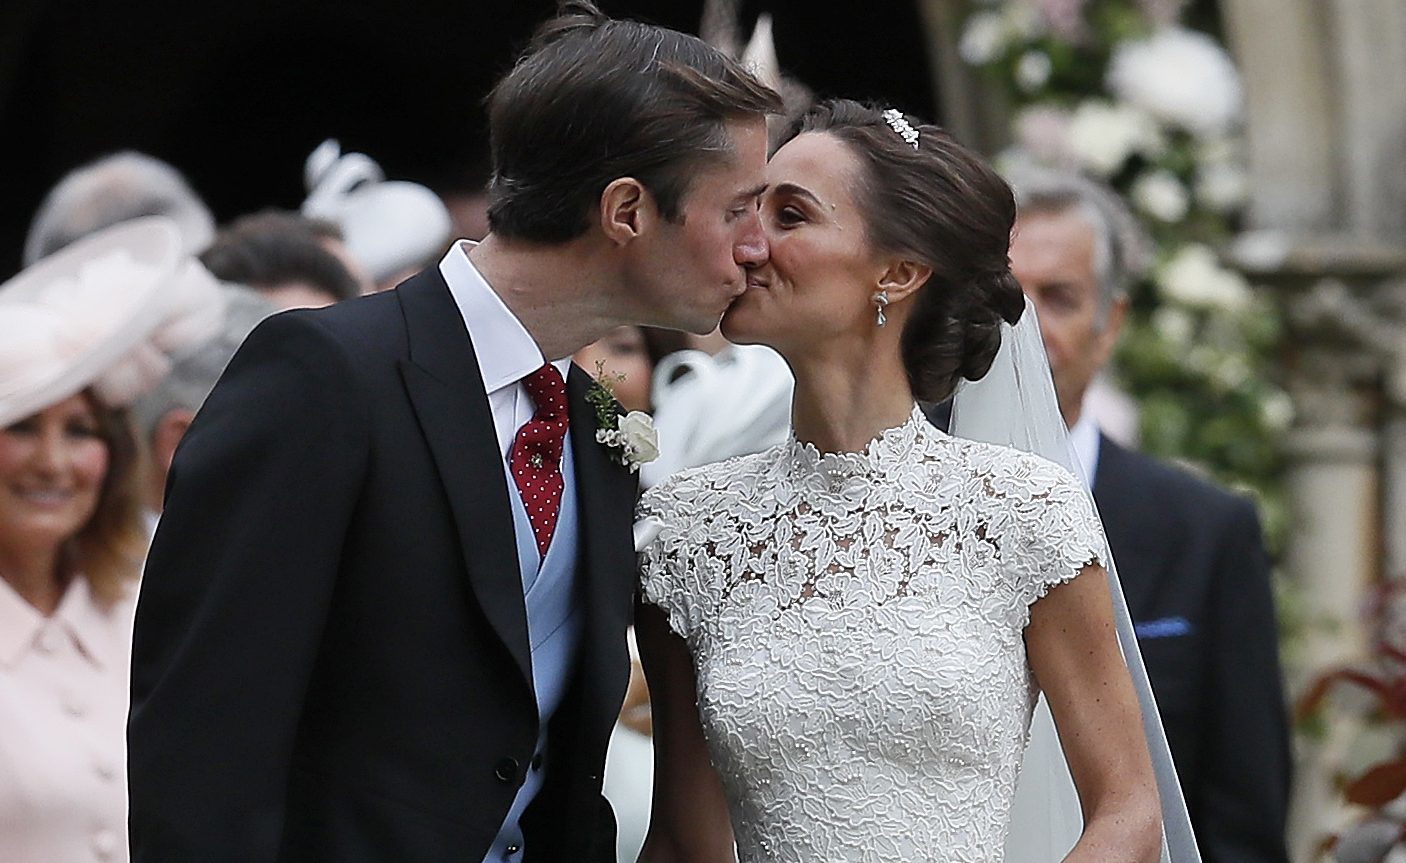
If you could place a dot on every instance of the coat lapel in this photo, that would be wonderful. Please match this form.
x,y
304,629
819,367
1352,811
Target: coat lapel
x,y
446,388
606,492
1139,548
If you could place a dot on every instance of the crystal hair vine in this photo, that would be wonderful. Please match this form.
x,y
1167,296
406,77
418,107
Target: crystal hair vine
x,y
900,124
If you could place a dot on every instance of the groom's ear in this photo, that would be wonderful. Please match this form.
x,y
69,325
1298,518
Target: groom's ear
x,y
624,209
901,278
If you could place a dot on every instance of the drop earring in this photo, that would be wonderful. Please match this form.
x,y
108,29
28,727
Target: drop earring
x,y
881,299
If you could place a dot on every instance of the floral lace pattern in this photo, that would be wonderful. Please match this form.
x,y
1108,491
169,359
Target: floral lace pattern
x,y
856,626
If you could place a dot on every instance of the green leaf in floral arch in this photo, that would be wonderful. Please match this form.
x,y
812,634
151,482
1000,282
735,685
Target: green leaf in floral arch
x,y
1164,424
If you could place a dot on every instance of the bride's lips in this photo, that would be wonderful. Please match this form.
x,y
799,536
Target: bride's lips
x,y
757,282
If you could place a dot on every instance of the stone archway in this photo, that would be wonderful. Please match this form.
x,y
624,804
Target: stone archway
x,y
1326,83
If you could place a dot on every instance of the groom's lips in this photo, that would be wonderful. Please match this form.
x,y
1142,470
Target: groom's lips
x,y
754,282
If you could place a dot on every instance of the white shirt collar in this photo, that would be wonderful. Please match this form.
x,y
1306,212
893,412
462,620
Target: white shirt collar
x,y
1084,439
505,349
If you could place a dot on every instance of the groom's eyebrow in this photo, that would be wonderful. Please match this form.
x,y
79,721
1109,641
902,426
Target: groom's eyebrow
x,y
754,192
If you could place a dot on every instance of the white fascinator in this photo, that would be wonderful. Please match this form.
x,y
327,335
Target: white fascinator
x,y
736,403
107,312
389,226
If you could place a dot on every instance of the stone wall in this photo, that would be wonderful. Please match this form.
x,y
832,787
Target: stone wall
x,y
1326,228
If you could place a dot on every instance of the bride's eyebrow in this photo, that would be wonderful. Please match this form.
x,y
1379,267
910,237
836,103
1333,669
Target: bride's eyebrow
x,y
797,191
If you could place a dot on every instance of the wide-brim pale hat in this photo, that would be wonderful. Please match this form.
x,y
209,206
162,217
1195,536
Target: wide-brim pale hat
x,y
105,313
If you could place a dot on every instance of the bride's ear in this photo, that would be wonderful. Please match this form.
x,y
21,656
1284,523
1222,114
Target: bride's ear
x,y
902,277
625,207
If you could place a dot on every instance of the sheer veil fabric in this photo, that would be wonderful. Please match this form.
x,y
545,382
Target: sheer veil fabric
x,y
1015,405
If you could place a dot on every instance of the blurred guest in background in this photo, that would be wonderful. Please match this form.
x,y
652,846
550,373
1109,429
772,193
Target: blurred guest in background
x,y
622,357
627,355
163,414
1190,555
283,256
113,189
392,228
330,236
84,330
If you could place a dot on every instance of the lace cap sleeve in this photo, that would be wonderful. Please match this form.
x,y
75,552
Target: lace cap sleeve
x,y
1061,534
665,579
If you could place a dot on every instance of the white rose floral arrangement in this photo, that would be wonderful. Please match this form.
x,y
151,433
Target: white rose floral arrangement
x,y
1141,94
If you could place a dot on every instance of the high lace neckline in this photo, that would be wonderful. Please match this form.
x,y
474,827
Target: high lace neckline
x,y
893,447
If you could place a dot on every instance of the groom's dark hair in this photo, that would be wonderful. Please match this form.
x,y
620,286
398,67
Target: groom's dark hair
x,y
594,99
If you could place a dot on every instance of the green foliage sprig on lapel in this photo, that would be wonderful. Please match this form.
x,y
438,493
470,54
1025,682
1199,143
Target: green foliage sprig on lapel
x,y
601,396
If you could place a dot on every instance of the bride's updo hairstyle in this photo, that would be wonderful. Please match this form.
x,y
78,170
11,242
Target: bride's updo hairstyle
x,y
940,204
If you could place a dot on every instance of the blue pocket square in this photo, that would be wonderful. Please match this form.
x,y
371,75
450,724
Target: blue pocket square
x,y
1165,627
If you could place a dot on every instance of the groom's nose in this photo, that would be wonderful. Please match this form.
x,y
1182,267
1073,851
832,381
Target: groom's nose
x,y
751,248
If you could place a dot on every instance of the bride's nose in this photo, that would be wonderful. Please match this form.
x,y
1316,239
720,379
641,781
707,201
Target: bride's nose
x,y
751,249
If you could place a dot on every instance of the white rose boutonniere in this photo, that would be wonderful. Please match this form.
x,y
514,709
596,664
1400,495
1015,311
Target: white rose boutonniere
x,y
632,436
634,439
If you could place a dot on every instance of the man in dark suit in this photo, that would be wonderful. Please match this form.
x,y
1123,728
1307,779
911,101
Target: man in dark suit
x,y
384,613
1189,554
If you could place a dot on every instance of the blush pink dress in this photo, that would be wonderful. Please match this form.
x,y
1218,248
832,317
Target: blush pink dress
x,y
63,715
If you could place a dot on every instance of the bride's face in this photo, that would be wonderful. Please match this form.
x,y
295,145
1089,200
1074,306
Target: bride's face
x,y
822,274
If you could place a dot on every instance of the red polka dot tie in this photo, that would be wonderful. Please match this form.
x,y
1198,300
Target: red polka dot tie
x,y
535,459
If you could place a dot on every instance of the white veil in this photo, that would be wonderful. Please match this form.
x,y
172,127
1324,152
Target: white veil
x,y
1015,405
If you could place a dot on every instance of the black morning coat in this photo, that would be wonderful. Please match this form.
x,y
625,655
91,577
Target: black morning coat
x,y
331,659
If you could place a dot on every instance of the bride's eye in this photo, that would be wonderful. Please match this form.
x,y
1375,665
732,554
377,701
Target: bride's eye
x,y
788,215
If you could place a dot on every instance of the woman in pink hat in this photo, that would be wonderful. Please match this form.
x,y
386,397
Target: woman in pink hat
x,y
85,331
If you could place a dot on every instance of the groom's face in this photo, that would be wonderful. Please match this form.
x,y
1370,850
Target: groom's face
x,y
698,264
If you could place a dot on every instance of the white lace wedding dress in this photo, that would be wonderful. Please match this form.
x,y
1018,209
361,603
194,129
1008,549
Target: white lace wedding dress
x,y
856,627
